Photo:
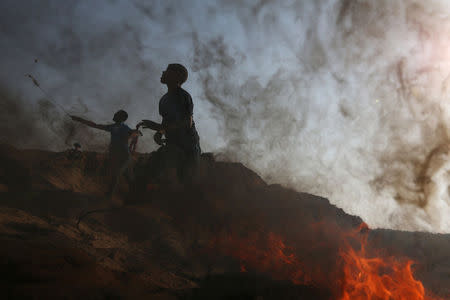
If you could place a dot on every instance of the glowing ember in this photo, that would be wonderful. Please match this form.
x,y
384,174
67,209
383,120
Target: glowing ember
x,y
266,255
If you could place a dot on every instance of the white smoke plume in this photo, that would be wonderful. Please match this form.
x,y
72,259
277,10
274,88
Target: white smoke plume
x,y
344,99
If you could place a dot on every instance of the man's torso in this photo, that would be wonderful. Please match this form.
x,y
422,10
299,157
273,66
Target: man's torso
x,y
119,138
177,107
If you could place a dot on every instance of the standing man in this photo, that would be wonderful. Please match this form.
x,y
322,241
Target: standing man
x,y
119,154
178,126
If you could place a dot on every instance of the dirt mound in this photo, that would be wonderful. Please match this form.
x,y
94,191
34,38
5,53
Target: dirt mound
x,y
225,234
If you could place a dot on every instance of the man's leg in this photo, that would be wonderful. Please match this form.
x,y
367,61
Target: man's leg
x,y
118,164
113,175
189,164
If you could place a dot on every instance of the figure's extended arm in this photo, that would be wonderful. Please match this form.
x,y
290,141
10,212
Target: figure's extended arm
x,y
89,123
150,124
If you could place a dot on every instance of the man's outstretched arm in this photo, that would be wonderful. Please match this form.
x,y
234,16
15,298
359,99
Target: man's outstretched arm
x,y
89,123
150,124
164,128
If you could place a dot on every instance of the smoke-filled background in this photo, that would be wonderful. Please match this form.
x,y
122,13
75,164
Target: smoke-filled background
x,y
345,99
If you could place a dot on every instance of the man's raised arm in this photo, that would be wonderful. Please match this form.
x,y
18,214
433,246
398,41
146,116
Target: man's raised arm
x,y
89,123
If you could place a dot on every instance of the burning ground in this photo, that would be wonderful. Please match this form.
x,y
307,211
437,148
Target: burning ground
x,y
227,235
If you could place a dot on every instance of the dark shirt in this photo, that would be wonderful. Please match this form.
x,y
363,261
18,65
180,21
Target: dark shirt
x,y
178,107
120,133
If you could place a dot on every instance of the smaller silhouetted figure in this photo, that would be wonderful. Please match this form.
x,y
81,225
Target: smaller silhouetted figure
x,y
75,152
119,151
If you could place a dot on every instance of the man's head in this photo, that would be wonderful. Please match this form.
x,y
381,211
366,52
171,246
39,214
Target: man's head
x,y
120,116
175,74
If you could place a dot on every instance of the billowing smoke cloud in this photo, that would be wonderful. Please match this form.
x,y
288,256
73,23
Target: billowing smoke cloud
x,y
345,99
41,126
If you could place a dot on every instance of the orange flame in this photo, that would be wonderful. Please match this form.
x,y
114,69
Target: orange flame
x,y
377,278
362,277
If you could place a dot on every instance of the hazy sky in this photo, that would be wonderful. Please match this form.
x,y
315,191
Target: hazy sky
x,y
344,99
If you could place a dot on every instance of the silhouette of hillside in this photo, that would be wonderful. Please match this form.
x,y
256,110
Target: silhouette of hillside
x,y
205,240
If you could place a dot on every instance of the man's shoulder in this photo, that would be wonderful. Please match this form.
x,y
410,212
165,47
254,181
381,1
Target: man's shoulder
x,y
184,93
120,127
125,126
109,127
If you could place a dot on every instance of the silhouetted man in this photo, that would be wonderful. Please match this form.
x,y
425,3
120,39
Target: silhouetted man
x,y
178,126
119,154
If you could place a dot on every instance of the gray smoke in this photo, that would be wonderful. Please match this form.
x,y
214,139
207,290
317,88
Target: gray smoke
x,y
344,99
41,126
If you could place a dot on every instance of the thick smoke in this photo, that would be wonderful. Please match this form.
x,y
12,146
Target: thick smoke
x,y
344,99
40,126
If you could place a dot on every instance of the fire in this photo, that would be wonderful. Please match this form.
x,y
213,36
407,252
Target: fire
x,y
267,255
375,277
360,276
364,279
